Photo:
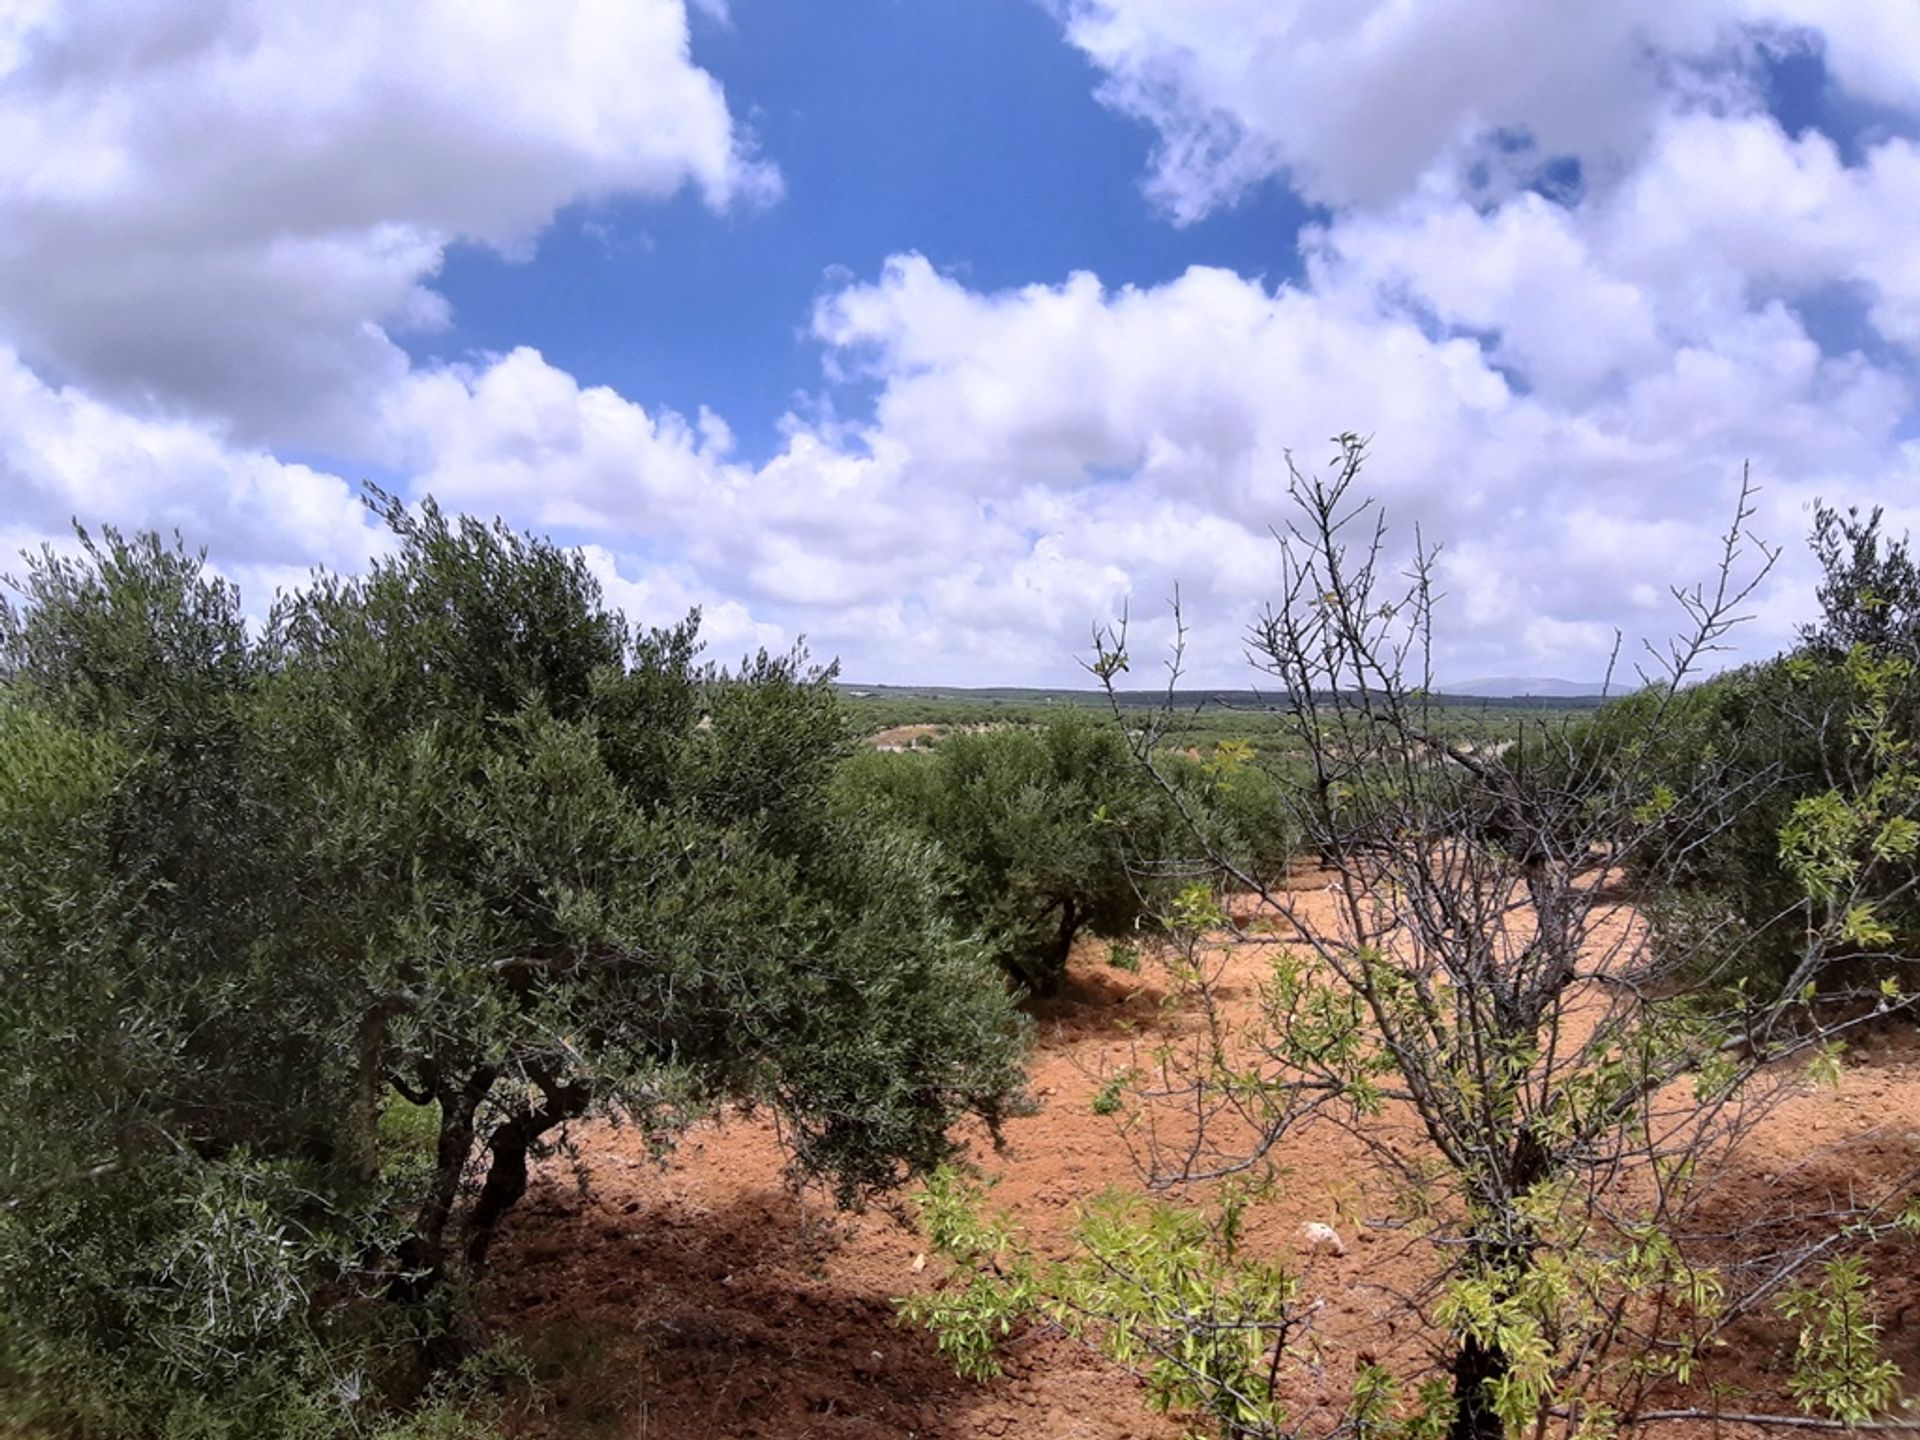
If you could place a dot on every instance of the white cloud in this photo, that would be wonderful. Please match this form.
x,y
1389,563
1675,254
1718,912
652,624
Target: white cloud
x,y
1869,45
1360,103
520,435
1355,102
208,240
657,596
224,206
1142,434
64,455
1735,207
1041,458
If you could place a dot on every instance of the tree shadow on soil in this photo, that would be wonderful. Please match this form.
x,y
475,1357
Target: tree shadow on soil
x,y
763,1316
1097,1000
1774,1203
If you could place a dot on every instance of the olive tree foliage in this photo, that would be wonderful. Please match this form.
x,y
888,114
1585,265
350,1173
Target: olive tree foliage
x,y
443,843
1821,738
1543,1088
1869,591
1044,832
1237,801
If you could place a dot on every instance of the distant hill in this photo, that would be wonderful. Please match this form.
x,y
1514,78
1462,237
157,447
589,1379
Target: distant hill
x,y
1516,694
1506,687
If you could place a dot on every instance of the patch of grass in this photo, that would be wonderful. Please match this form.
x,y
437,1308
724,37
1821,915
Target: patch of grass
x,y
594,1373
406,1138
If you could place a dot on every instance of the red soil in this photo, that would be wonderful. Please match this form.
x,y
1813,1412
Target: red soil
x,y
705,1299
901,737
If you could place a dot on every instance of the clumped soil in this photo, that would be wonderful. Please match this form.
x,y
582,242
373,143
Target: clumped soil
x,y
704,1298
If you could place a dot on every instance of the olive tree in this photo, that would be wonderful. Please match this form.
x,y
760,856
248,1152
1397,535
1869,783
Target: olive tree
x,y
445,840
1810,736
1045,831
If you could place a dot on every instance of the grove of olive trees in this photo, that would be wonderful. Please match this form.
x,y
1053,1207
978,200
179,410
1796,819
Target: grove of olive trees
x,y
324,926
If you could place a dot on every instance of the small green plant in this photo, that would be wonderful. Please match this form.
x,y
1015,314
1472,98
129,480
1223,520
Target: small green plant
x,y
1111,1097
1195,910
992,1287
405,1139
1838,1366
1124,955
1162,1290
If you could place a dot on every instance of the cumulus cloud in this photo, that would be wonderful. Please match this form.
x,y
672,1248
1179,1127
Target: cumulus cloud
x,y
660,596
1869,45
1564,379
1358,104
1354,103
1042,458
225,207
1736,208
65,455
1142,435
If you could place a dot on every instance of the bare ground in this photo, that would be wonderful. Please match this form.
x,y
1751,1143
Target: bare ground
x,y
706,1299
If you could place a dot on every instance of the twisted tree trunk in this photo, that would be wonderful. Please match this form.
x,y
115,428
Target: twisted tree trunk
x,y
507,1148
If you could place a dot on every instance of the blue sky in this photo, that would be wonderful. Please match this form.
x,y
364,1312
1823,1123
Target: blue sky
x,y
959,129
939,332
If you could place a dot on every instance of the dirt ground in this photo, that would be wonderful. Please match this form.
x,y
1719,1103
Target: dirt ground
x,y
705,1299
901,737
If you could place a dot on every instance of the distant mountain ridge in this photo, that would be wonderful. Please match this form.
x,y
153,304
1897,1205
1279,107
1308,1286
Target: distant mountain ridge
x,y
1507,687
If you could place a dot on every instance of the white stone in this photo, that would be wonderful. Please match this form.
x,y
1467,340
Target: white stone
x,y
1322,1237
